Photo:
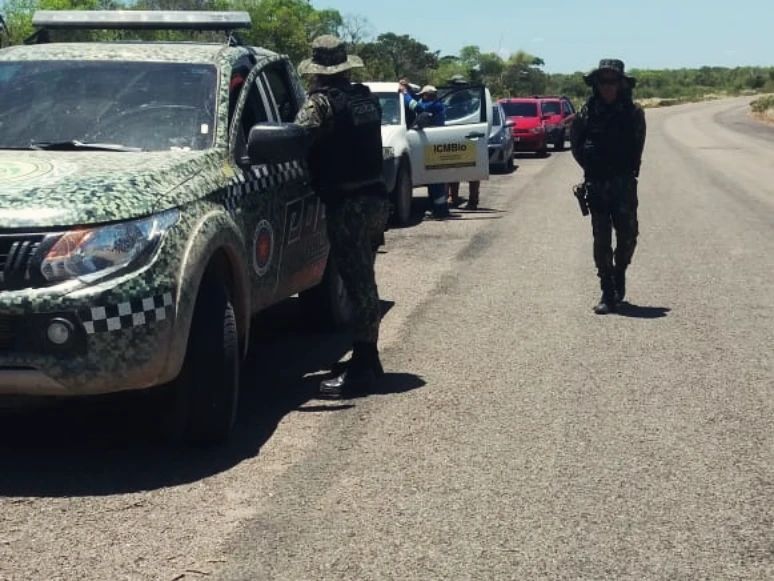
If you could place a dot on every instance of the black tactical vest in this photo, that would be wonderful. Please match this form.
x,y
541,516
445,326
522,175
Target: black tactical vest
x,y
347,159
611,133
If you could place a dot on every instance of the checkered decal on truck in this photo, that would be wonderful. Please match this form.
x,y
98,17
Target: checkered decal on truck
x,y
262,178
127,315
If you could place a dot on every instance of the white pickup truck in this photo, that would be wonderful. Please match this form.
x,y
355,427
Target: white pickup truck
x,y
414,156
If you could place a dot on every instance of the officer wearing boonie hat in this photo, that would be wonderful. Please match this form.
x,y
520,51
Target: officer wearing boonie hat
x,y
613,66
345,161
608,138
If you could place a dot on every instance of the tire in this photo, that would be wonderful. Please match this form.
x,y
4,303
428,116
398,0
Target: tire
x,y
403,196
510,166
206,393
327,305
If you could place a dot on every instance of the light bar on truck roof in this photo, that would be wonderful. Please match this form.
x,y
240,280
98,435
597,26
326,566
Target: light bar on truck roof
x,y
140,20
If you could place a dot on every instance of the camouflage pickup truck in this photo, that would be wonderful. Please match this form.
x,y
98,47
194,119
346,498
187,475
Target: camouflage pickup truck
x,y
153,198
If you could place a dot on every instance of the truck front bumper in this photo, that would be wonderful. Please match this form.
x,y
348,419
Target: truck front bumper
x,y
88,341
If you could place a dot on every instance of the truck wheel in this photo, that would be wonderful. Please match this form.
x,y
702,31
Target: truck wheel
x,y
510,166
207,391
403,196
327,305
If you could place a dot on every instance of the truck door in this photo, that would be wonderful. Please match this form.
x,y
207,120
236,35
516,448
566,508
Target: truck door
x,y
458,151
303,247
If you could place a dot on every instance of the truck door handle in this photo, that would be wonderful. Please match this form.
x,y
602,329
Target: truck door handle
x,y
475,135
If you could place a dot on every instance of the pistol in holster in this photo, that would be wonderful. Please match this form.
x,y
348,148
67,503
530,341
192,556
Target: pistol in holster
x,y
581,193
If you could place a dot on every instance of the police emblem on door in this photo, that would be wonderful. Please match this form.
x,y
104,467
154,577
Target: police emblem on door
x,y
263,247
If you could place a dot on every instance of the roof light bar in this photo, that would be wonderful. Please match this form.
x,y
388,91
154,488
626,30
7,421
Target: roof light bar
x,y
140,20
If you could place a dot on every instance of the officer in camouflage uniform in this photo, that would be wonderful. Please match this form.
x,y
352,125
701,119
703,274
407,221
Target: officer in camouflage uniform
x,y
345,121
608,137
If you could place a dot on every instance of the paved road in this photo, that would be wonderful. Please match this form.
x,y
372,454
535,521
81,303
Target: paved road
x,y
518,435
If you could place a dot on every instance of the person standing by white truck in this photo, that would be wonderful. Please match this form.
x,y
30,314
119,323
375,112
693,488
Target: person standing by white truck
x,y
416,156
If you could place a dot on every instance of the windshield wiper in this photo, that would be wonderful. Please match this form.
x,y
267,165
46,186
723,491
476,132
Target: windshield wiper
x,y
75,145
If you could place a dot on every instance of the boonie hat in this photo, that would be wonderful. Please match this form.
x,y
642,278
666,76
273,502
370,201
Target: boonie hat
x,y
612,65
329,57
428,90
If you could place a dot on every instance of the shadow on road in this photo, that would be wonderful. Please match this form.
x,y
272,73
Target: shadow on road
x,y
503,172
532,155
481,214
421,207
482,210
105,446
637,312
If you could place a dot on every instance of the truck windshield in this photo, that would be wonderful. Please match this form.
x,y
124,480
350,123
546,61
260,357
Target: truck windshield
x,y
390,103
135,105
520,109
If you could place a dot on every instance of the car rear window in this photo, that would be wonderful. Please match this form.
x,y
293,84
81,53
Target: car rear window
x,y
552,108
520,109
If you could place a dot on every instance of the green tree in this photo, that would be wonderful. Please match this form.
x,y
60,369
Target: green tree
x,y
522,75
18,15
448,67
355,30
393,56
287,26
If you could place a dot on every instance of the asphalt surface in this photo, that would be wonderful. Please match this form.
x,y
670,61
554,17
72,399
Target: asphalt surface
x,y
517,435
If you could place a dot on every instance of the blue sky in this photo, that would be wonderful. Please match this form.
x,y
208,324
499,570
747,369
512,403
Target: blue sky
x,y
573,35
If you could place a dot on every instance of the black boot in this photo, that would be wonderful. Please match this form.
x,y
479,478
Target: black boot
x,y
620,285
608,303
360,377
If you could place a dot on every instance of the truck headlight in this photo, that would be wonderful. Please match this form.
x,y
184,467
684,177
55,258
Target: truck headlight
x,y
91,254
388,152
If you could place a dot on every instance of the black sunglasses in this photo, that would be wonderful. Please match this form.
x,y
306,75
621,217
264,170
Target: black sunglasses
x,y
609,81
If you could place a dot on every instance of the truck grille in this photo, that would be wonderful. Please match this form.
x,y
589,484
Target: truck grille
x,y
16,254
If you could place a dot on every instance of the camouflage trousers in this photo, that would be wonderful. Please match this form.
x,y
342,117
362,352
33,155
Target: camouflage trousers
x,y
355,229
613,204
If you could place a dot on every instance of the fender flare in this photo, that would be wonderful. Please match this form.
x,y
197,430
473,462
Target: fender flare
x,y
212,239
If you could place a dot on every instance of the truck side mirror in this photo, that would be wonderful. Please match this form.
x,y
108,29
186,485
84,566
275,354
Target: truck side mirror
x,y
276,143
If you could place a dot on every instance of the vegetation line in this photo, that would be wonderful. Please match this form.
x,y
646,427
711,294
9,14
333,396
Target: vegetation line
x,y
287,26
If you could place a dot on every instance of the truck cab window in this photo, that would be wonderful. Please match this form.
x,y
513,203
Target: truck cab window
x,y
283,96
253,113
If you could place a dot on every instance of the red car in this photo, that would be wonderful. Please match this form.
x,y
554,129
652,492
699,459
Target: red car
x,y
558,114
529,131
